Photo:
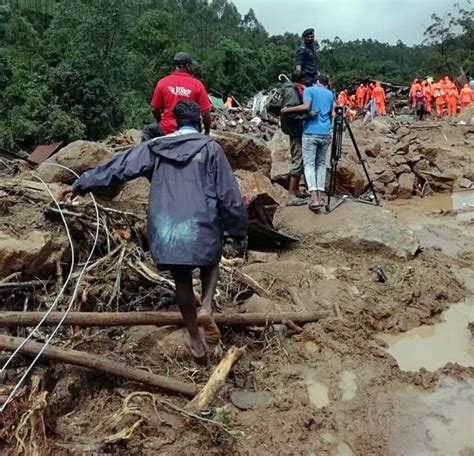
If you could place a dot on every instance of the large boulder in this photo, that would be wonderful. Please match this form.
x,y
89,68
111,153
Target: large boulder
x,y
34,254
245,152
78,156
281,157
354,227
257,183
350,179
406,182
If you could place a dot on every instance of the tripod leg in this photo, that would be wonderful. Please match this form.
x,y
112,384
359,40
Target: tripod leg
x,y
362,161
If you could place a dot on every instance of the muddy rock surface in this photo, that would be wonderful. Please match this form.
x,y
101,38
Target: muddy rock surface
x,y
337,386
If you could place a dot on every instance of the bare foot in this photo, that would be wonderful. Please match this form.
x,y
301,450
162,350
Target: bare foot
x,y
211,330
197,348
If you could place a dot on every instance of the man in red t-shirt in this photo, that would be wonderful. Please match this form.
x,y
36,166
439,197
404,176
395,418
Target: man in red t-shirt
x,y
178,86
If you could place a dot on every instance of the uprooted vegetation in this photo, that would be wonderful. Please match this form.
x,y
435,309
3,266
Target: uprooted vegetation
x,y
266,405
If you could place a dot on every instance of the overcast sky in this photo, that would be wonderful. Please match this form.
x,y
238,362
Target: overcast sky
x,y
384,20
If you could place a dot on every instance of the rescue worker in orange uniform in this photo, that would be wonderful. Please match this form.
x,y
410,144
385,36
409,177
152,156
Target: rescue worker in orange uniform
x,y
466,96
342,99
352,102
379,96
369,93
451,99
428,94
415,87
439,97
360,95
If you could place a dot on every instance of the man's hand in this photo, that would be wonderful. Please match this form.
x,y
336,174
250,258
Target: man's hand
x,y
283,111
313,114
234,248
68,194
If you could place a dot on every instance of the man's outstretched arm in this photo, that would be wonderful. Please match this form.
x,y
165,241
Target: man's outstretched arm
x,y
125,166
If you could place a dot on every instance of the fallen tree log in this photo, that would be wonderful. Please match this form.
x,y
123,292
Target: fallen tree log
x,y
100,364
108,319
216,381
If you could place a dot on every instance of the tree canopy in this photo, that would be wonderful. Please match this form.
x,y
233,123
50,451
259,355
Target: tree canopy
x,y
75,69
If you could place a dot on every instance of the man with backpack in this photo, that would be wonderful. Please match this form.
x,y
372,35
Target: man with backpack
x,y
292,125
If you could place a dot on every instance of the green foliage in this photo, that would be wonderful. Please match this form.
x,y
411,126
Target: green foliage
x,y
75,69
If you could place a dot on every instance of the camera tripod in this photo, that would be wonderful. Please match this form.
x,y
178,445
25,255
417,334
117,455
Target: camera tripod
x,y
336,152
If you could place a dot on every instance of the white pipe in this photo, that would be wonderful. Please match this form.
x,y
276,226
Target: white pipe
x,y
71,302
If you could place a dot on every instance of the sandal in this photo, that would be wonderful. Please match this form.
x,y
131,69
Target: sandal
x,y
296,202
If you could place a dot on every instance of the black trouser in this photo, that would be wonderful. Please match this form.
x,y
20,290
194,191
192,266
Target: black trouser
x,y
151,131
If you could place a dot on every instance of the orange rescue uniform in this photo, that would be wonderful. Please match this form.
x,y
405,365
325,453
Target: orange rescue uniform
x,y
466,96
451,99
360,95
428,95
379,96
439,99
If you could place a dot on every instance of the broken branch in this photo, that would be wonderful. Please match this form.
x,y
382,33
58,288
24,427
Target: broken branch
x,y
108,319
216,381
100,364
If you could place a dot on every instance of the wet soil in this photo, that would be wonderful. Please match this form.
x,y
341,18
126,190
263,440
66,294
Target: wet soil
x,y
374,382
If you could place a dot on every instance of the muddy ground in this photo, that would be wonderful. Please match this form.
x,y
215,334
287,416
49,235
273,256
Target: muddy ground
x,y
337,388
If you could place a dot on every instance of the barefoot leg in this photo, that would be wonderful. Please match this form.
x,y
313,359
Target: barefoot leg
x,y
186,301
209,277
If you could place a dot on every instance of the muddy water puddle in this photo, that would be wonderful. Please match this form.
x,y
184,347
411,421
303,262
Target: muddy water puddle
x,y
437,423
434,346
460,203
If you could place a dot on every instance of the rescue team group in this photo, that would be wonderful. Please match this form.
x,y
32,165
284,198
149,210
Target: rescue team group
x,y
194,201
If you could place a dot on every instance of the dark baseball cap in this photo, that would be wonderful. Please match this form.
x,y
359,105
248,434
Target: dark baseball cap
x,y
308,32
183,58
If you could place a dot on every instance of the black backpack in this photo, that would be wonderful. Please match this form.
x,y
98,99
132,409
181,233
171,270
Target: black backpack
x,y
292,124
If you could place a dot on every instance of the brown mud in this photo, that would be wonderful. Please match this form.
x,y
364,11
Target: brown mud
x,y
341,387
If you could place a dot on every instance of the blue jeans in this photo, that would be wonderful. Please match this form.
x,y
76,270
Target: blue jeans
x,y
314,160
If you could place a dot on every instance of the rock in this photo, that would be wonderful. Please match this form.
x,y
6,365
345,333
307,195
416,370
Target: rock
x,y
398,160
402,169
422,165
281,157
403,149
257,183
413,157
353,227
136,191
256,304
34,254
387,176
463,183
468,172
261,257
350,179
391,190
407,185
379,187
245,400
79,156
373,151
245,152
467,116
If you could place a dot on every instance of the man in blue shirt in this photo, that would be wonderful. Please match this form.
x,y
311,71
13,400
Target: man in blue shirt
x,y
319,102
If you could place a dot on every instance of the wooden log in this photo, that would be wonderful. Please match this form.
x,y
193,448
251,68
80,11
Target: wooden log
x,y
100,364
108,319
217,380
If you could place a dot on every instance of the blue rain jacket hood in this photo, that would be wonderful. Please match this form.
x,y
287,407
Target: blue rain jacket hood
x,y
193,198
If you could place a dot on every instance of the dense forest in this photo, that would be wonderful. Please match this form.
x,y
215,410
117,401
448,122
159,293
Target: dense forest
x,y
75,69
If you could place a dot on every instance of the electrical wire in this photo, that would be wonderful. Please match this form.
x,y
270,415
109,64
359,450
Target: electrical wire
x,y
68,309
